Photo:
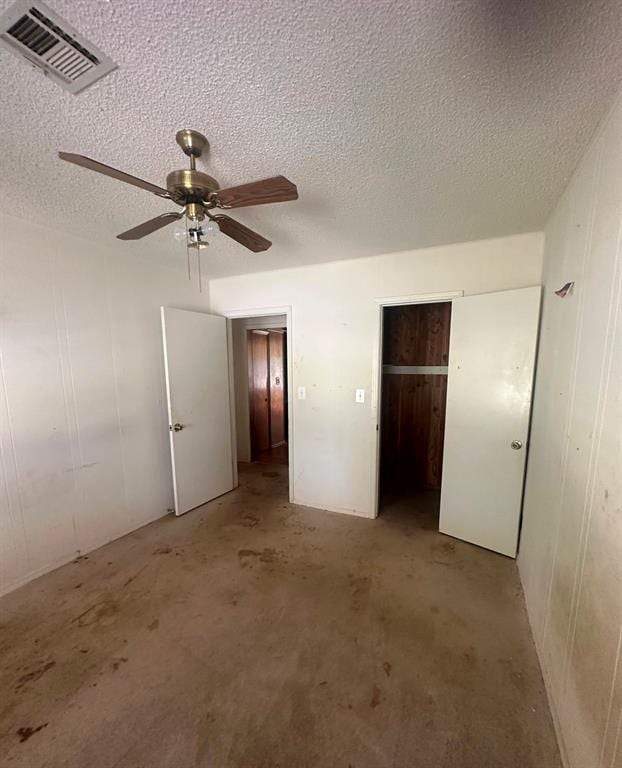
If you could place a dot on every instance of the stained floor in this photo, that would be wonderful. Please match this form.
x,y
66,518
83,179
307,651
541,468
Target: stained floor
x,y
252,633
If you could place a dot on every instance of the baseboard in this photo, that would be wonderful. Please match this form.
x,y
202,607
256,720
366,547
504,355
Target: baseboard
x,y
338,510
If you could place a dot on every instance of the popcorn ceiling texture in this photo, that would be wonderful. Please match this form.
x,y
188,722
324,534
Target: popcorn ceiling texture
x,y
404,124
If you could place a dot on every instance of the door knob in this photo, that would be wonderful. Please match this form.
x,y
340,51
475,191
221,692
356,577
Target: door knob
x,y
516,445
177,427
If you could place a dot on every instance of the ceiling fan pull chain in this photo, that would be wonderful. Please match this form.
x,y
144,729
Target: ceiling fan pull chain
x,y
187,250
199,265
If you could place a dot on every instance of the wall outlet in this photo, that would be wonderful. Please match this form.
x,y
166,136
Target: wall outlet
x,y
302,393
360,396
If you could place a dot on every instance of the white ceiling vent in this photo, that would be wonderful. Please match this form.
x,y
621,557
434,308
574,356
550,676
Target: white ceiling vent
x,y
46,40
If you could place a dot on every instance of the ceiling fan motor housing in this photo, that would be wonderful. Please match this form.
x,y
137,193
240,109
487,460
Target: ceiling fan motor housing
x,y
190,186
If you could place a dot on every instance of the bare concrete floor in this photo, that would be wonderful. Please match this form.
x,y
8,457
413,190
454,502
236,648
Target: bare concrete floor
x,y
256,634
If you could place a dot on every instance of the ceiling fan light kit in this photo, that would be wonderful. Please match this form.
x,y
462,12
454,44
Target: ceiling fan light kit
x,y
199,194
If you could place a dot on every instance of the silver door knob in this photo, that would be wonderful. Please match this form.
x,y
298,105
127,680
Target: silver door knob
x,y
178,427
516,445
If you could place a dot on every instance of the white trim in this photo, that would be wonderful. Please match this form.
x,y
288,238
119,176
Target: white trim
x,y
376,379
337,510
418,298
235,314
232,417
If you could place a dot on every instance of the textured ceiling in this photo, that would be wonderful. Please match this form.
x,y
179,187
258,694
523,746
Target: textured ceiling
x,y
404,124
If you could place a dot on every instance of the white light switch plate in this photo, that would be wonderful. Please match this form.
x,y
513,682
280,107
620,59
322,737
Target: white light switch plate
x,y
302,393
360,395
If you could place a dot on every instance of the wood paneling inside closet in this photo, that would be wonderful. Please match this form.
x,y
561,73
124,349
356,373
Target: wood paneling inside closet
x,y
413,405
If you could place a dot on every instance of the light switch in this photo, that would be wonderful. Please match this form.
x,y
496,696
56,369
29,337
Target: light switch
x,y
360,395
302,393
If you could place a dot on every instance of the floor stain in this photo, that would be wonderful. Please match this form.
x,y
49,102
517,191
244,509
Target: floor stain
x,y
154,625
375,697
25,733
446,547
387,668
103,613
30,677
268,555
131,579
116,663
360,586
164,550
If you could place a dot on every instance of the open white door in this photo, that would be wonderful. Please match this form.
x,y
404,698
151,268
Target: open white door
x,y
197,388
491,362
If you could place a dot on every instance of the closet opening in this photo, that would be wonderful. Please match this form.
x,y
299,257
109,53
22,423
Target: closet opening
x,y
415,355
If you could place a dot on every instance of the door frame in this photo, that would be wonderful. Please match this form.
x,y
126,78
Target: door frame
x,y
376,381
240,314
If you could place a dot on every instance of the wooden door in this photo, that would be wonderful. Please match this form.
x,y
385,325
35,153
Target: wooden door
x,y
258,369
277,388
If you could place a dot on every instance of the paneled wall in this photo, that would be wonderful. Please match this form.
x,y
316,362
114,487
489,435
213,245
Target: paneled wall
x,y
571,546
84,453
413,405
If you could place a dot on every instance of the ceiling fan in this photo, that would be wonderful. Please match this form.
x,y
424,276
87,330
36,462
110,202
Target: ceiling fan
x,y
199,195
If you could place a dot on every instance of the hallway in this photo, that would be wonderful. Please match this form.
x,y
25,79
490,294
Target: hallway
x,y
253,633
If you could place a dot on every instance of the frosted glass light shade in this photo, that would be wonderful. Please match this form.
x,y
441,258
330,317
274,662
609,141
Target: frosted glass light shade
x,y
210,228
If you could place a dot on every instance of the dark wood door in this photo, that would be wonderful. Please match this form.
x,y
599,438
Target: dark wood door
x,y
277,389
258,369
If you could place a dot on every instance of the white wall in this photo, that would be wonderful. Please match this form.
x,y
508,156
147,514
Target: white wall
x,y
239,328
332,340
571,546
83,427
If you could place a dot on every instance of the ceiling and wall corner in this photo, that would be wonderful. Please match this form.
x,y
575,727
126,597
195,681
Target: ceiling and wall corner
x,y
404,124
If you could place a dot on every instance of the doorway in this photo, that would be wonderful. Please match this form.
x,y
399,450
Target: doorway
x,y
267,390
415,356
259,347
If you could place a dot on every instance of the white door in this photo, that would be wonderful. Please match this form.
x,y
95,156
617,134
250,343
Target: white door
x,y
491,362
197,388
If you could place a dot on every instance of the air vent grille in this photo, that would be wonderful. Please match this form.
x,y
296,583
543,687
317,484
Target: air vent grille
x,y
50,43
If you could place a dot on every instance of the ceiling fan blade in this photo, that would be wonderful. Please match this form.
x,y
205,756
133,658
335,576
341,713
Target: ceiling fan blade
x,y
147,227
242,234
93,165
278,189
